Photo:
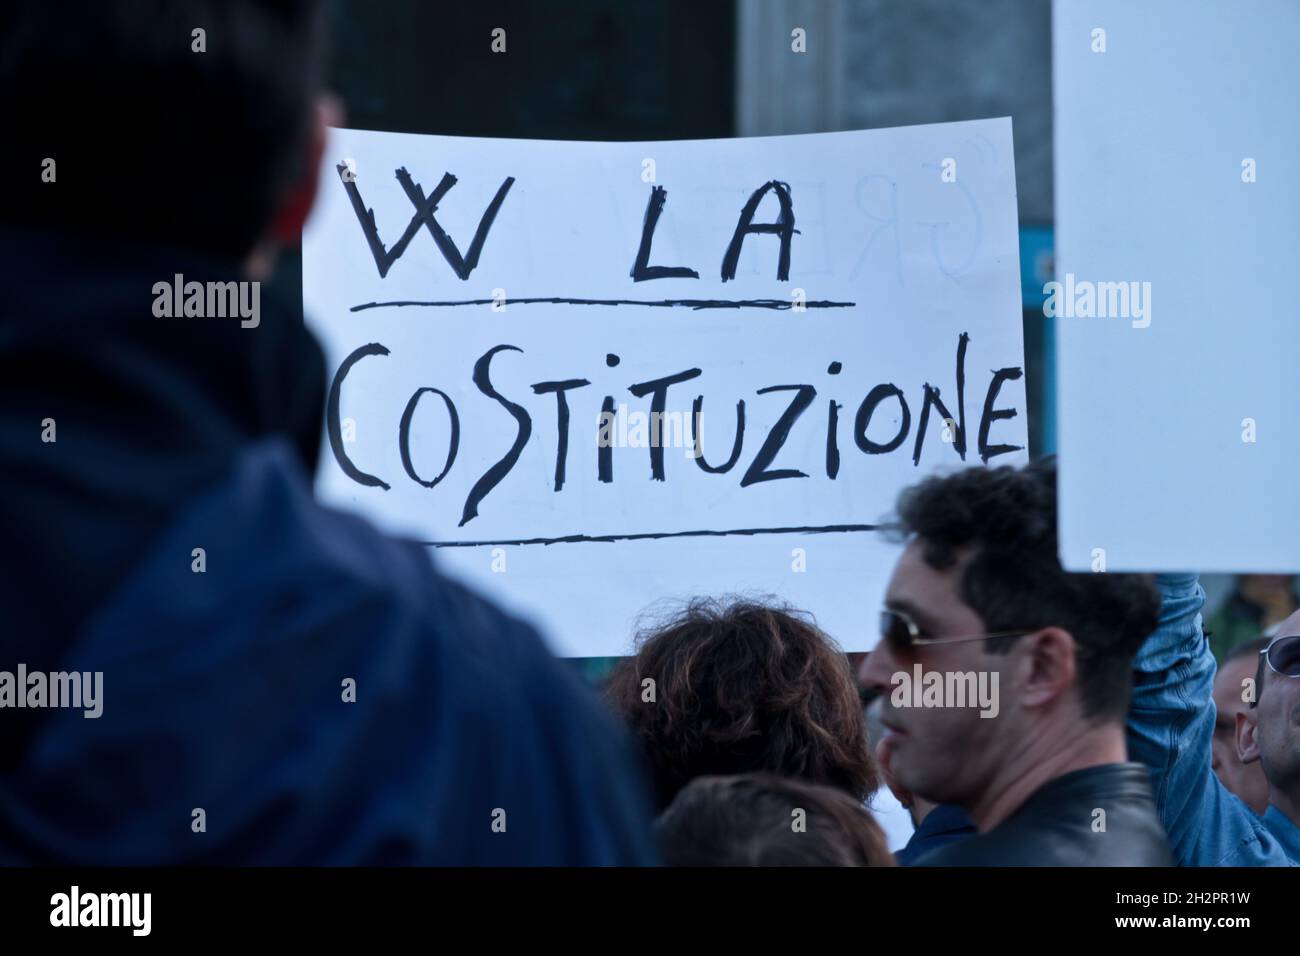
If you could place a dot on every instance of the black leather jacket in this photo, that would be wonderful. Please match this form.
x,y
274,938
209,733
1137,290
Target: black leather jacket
x,y
1059,825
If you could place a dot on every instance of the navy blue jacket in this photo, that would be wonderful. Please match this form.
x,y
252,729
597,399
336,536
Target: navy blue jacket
x,y
946,823
223,691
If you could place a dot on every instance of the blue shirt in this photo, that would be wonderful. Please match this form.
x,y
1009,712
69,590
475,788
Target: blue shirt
x,y
1170,726
945,824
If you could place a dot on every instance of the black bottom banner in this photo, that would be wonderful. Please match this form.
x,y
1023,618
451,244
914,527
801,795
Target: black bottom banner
x,y
331,906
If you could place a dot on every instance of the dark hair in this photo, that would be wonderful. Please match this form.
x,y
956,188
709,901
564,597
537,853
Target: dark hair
x,y
153,141
752,820
744,687
1006,518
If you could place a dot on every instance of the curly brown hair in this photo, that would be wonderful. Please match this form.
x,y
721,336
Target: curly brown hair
x,y
744,687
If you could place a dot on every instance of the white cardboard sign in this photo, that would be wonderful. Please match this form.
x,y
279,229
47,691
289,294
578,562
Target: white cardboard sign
x,y
1177,208
540,353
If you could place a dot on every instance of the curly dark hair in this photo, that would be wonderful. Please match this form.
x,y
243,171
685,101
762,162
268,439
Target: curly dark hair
x,y
752,820
743,687
1006,518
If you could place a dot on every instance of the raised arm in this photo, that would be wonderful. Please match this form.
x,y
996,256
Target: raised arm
x,y
1170,726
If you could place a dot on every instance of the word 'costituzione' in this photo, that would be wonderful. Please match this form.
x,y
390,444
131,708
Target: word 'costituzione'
x,y
878,403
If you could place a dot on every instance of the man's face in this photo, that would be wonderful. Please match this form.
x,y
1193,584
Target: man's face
x,y
1277,724
946,754
1246,780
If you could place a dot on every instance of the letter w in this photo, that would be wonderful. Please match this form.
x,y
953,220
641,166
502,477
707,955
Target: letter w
x,y
425,206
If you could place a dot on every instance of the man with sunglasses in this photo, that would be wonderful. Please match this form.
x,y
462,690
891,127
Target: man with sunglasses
x,y
979,592
1171,729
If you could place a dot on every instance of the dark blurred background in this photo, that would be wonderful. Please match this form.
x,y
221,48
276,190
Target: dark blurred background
x,y
578,69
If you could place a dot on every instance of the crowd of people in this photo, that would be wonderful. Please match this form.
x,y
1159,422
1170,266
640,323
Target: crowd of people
x,y
322,694
1113,742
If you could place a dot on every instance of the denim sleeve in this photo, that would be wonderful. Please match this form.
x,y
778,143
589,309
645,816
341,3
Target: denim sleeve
x,y
1170,726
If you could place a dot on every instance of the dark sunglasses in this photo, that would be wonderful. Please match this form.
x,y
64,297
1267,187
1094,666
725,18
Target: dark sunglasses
x,y
902,635
1283,655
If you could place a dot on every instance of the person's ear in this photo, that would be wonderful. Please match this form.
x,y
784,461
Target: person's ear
x,y
1046,665
286,227
1247,731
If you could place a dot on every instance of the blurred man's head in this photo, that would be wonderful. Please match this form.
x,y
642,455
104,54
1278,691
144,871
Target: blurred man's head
x,y
743,688
981,558
191,124
764,820
1269,731
1233,693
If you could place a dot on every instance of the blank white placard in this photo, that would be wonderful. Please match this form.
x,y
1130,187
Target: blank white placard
x,y
1164,110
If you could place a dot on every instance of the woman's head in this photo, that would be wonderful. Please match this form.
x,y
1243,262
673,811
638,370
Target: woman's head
x,y
743,687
